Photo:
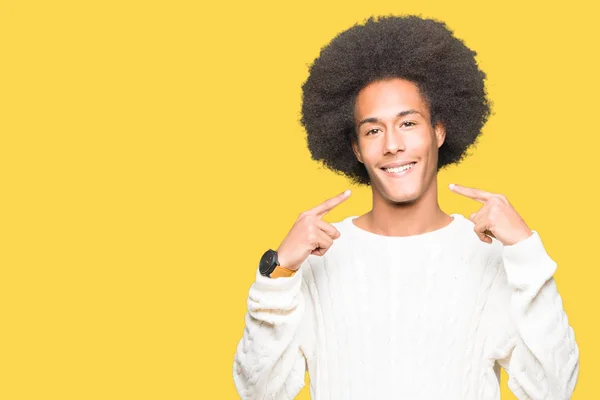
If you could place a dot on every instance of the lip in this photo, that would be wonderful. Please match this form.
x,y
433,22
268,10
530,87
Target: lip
x,y
397,164
398,175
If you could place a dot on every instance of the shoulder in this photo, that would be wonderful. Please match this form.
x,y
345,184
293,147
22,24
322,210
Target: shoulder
x,y
347,237
486,254
344,224
339,248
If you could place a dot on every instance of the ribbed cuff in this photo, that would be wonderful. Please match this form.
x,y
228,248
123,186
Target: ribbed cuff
x,y
527,263
279,293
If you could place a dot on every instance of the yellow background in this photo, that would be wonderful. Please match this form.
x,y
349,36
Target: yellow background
x,y
151,152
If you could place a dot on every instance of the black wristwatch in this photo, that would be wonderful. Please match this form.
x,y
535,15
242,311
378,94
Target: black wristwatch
x,y
268,263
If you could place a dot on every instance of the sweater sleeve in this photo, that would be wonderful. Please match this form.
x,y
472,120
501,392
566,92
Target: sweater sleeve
x,y
532,339
269,362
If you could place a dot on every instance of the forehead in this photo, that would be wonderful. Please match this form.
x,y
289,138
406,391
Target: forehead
x,y
387,98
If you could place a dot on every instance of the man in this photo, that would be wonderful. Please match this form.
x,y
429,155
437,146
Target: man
x,y
405,301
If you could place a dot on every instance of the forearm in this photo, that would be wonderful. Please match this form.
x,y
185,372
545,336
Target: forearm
x,y
268,362
544,340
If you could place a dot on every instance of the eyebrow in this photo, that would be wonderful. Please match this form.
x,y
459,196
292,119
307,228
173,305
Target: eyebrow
x,y
400,114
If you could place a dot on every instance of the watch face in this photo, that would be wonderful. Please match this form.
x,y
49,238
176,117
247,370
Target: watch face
x,y
268,262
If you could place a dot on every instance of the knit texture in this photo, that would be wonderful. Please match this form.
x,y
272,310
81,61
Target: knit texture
x,y
429,316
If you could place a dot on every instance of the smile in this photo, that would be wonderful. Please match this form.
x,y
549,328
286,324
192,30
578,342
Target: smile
x,y
398,171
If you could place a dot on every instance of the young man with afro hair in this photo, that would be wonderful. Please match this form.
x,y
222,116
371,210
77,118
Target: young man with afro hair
x,y
405,301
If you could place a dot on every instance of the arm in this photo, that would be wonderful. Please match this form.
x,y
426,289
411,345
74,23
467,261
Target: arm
x,y
269,362
534,342
280,329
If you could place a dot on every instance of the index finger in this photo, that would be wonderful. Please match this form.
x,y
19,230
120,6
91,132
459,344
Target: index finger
x,y
328,205
472,193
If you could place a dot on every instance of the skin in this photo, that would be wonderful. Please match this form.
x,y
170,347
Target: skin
x,y
310,234
392,122
497,218
408,205
393,125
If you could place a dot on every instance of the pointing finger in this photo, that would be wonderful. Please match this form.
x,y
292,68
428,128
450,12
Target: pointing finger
x,y
471,193
328,205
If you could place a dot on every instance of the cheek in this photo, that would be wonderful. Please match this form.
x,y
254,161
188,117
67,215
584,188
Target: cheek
x,y
419,144
370,152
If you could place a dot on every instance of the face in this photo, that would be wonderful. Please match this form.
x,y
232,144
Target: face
x,y
396,141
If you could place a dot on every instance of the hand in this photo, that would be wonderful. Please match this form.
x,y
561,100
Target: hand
x,y
497,218
309,235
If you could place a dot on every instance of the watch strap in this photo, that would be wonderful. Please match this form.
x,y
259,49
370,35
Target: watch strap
x,y
281,272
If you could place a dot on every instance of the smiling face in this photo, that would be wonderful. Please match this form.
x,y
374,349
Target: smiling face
x,y
395,140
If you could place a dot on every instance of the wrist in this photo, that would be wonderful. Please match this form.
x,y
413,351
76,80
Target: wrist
x,y
285,263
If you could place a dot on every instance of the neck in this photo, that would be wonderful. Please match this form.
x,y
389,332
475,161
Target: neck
x,y
406,219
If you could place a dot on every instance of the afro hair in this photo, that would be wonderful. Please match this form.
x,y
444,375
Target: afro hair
x,y
423,51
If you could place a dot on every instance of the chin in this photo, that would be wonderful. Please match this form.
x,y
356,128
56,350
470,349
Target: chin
x,y
400,196
402,199
396,192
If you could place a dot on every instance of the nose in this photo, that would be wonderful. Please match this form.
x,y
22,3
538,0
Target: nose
x,y
393,142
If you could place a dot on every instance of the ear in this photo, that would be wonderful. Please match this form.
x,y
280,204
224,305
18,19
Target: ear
x,y
440,134
356,150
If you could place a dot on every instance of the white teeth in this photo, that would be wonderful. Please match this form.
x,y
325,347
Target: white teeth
x,y
399,169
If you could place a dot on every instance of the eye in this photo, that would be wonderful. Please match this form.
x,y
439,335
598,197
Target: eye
x,y
407,124
372,131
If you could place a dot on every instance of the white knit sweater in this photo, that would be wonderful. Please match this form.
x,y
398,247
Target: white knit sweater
x,y
429,316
